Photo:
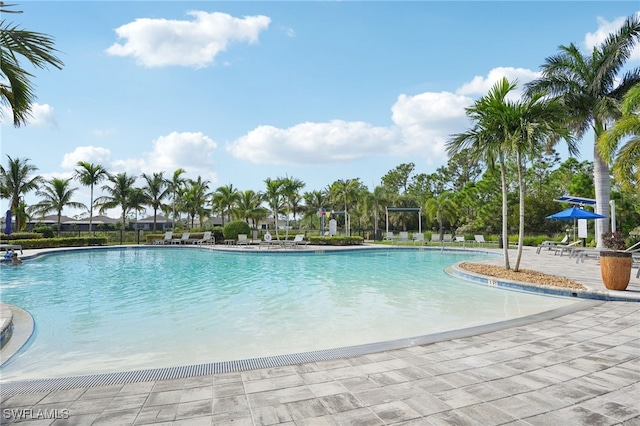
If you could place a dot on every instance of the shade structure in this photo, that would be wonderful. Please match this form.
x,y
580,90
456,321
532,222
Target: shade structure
x,y
575,213
7,224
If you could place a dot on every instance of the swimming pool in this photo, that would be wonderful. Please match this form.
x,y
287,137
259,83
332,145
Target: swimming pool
x,y
113,310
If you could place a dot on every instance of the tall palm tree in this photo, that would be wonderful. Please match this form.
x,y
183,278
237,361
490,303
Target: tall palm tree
x,y
440,209
590,85
90,174
290,189
194,198
155,190
119,195
56,195
314,202
17,180
374,201
274,199
626,159
175,185
344,192
486,141
225,198
248,206
16,89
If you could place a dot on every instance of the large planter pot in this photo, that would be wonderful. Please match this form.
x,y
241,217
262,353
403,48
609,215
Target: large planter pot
x,y
615,267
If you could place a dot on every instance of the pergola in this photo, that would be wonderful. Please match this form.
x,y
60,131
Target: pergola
x,y
405,209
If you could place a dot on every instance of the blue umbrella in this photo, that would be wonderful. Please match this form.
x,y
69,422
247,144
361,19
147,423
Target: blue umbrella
x,y
575,213
7,226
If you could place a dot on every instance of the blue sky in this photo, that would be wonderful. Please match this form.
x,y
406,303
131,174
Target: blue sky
x,y
237,92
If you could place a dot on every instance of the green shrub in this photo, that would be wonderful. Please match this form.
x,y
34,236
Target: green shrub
x,y
60,242
336,241
45,230
232,229
21,236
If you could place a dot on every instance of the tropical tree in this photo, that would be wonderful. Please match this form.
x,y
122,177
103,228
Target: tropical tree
x,y
274,199
194,197
625,158
290,190
56,195
590,85
155,191
315,201
119,192
486,141
89,174
374,202
344,192
17,180
440,209
16,89
225,198
174,186
248,207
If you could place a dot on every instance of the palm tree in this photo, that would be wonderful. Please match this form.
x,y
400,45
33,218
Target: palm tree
x,y
486,140
273,197
175,185
155,190
626,163
314,202
225,198
194,197
290,189
119,195
374,201
56,196
90,174
16,89
440,209
248,206
590,85
344,192
16,181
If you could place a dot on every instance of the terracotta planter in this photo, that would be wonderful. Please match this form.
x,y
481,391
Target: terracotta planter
x,y
615,267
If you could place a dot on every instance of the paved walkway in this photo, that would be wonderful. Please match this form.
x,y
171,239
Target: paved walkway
x,y
582,368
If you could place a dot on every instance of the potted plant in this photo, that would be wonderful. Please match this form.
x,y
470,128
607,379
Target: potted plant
x,y
615,264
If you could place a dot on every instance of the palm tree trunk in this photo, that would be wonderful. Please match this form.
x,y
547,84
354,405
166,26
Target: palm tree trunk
x,y
516,268
91,213
602,185
505,213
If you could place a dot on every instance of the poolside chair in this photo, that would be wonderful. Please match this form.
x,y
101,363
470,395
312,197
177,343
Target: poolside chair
x,y
207,238
459,239
447,238
390,236
552,244
567,248
243,240
297,241
419,238
181,240
435,238
268,242
403,237
479,239
167,238
13,247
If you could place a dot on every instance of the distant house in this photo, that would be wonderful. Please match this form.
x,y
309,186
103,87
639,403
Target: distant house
x,y
51,220
146,224
70,224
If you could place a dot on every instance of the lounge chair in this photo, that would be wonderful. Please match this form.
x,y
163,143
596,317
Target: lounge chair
x,y
167,238
447,238
419,238
435,238
207,238
459,239
567,248
243,240
181,240
403,237
297,241
14,247
390,236
479,239
268,241
552,244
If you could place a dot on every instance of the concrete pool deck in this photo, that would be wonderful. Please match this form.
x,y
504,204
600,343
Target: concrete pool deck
x,y
578,368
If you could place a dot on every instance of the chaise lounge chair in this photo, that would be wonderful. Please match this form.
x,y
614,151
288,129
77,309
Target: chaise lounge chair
x,y
14,247
552,244
419,238
479,239
297,241
167,238
243,240
460,240
403,237
207,238
181,240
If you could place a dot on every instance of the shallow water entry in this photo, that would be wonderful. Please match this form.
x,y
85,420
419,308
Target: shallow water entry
x,y
100,311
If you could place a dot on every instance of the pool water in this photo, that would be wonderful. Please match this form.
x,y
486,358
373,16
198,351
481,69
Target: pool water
x,y
100,311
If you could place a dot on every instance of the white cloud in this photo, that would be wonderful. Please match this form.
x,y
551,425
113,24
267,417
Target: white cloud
x,y
481,85
194,43
606,28
90,154
42,115
313,143
190,151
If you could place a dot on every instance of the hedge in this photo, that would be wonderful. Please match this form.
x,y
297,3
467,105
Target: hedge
x,y
336,241
21,236
60,242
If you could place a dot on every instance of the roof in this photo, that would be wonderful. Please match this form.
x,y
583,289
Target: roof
x,y
576,200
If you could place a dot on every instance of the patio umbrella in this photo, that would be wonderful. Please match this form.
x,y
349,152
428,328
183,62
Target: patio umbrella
x,y
574,213
7,226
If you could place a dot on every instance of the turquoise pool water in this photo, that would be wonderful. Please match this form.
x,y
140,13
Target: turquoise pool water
x,y
116,310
